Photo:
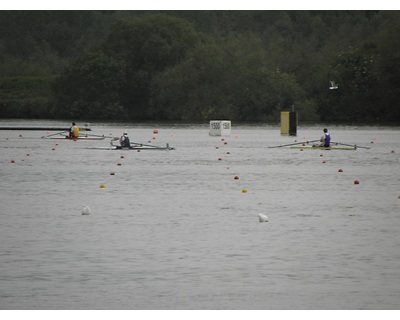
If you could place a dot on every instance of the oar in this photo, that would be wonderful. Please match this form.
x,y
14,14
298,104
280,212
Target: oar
x,y
146,145
54,134
93,135
350,145
292,144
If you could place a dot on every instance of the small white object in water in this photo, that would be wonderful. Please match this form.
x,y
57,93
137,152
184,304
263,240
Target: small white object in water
x,y
86,210
262,217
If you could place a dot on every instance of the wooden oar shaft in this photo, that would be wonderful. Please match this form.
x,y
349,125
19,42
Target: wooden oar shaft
x,y
292,144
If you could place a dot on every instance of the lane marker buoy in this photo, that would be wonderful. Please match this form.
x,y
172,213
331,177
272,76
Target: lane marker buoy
x,y
86,210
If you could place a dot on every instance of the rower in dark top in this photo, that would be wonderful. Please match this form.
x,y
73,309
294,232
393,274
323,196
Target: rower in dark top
x,y
325,139
124,140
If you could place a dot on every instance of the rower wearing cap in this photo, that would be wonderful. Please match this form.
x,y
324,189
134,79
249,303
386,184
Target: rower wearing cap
x,y
124,140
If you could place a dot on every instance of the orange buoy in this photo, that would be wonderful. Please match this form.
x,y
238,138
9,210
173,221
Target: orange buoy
x,y
119,164
340,170
122,157
356,182
236,178
155,131
219,159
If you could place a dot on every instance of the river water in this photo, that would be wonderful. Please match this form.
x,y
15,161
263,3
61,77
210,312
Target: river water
x,y
174,229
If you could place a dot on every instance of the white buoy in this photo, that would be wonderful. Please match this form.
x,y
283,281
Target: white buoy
x,y
262,217
86,210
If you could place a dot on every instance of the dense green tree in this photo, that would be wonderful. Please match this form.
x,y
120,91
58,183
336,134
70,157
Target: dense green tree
x,y
146,46
229,79
357,72
201,56
89,88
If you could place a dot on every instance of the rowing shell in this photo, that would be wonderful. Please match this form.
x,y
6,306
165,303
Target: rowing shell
x,y
138,146
75,139
323,148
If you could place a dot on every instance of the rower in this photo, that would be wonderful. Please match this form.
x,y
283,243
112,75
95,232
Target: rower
x,y
325,139
73,131
124,140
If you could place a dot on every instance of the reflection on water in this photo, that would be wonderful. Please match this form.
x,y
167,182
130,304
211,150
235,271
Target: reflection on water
x,y
173,230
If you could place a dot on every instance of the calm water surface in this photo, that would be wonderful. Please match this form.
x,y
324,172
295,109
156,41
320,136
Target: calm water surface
x,y
173,229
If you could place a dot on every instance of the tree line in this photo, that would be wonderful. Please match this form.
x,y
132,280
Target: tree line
x,y
200,65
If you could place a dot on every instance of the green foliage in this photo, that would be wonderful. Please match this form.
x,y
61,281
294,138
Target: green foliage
x,y
230,79
196,65
146,46
25,97
89,88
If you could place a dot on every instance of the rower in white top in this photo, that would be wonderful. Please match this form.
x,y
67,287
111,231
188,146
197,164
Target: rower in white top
x,y
124,140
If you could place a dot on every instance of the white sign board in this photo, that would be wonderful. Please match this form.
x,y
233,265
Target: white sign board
x,y
220,128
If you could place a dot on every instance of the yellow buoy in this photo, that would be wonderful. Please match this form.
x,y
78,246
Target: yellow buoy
x,y
244,190
102,185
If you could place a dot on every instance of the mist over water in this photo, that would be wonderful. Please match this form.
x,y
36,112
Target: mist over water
x,y
173,229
